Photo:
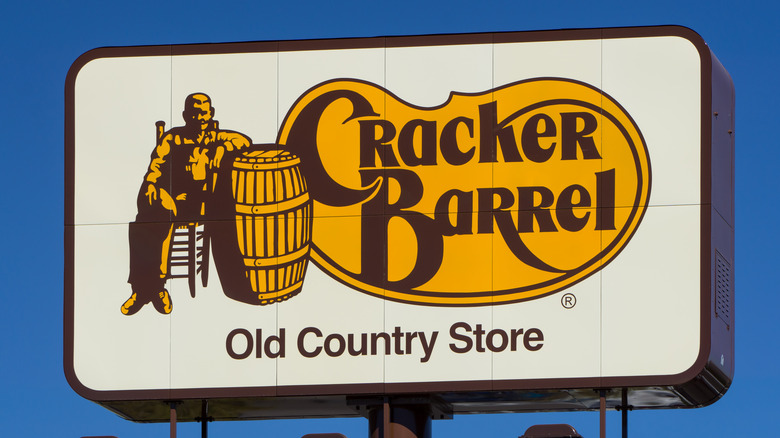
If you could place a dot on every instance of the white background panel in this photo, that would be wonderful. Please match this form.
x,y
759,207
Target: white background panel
x,y
571,345
651,305
113,351
658,82
579,60
425,76
117,101
242,87
330,307
199,329
301,70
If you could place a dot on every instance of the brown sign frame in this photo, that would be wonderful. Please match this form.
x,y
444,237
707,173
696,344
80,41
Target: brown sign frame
x,y
706,381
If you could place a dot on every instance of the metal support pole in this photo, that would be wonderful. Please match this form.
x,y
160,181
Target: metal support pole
x,y
173,419
603,413
624,414
386,418
399,421
204,419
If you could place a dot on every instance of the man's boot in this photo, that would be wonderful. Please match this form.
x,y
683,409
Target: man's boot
x,y
132,305
162,302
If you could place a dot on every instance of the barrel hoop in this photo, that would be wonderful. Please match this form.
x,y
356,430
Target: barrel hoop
x,y
267,165
281,206
279,293
264,262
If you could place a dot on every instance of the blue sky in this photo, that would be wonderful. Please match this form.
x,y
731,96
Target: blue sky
x,y
40,40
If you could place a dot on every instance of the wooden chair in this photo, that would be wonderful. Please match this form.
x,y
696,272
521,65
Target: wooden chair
x,y
189,254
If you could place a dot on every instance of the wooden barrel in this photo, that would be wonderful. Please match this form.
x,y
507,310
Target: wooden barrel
x,y
273,223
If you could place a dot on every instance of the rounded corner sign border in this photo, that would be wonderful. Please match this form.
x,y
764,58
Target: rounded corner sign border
x,y
678,379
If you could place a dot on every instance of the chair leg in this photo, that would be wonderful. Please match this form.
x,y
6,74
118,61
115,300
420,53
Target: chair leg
x,y
204,258
191,259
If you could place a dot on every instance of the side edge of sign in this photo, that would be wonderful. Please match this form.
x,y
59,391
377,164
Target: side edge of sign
x,y
717,255
710,375
715,365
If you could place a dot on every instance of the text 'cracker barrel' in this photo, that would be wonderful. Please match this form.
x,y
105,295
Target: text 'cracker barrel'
x,y
273,223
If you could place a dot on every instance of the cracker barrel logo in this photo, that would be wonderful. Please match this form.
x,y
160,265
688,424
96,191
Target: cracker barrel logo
x,y
210,190
489,198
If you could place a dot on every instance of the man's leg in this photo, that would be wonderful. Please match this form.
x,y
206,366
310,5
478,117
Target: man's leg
x,y
149,251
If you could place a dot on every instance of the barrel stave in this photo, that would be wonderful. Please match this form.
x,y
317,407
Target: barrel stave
x,y
273,223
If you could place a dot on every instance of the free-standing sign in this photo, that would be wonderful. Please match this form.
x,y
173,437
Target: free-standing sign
x,y
502,221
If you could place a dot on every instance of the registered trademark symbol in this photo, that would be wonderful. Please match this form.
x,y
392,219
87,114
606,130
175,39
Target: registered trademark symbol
x,y
568,301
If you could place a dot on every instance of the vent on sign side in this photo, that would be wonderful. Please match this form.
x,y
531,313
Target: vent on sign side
x,y
722,288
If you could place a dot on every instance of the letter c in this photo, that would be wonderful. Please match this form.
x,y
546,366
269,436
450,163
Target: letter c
x,y
301,343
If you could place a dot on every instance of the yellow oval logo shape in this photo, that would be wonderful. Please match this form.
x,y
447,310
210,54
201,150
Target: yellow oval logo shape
x,y
490,198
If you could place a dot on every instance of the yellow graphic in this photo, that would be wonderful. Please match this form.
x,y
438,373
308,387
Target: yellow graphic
x,y
273,222
176,194
489,198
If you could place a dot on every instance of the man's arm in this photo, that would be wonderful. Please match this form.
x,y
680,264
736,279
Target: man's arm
x,y
157,166
229,140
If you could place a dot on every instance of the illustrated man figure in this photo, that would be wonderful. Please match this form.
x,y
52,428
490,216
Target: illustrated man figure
x,y
174,190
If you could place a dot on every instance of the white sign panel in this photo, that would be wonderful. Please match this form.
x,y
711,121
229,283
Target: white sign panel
x,y
431,215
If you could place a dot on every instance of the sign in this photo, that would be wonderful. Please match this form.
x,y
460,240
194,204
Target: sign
x,y
498,221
